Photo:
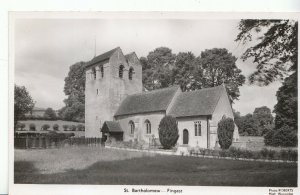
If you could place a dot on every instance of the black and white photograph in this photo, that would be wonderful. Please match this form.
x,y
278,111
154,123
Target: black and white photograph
x,y
155,99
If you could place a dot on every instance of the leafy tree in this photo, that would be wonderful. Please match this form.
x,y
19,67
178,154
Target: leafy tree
x,y
55,127
50,114
157,68
32,127
275,50
65,127
225,132
23,103
45,127
216,66
263,119
168,132
183,71
75,90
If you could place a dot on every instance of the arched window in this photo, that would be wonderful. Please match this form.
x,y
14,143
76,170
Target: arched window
x,y
94,73
131,126
130,73
102,71
197,128
148,126
121,69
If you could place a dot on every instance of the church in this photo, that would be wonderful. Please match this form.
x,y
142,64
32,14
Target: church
x,y
117,107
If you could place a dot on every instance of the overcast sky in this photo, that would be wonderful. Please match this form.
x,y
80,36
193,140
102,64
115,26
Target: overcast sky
x,y
45,48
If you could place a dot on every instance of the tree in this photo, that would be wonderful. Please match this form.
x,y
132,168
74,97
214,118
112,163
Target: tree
x,y
45,127
213,67
157,68
216,66
49,114
75,90
225,132
275,51
23,103
263,119
183,71
55,127
32,127
168,132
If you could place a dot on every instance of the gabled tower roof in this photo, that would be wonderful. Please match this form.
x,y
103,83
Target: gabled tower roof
x,y
101,57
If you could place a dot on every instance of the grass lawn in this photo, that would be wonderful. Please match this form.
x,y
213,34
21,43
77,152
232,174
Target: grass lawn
x,y
88,165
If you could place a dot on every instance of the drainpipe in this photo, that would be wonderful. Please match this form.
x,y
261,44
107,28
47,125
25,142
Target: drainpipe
x,y
208,133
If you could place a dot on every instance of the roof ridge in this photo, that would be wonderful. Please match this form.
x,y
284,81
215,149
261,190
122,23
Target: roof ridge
x,y
204,89
155,90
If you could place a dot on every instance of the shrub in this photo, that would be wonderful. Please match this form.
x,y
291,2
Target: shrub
x,y
73,127
20,126
45,127
168,132
264,153
285,136
65,127
32,127
292,155
55,127
80,127
225,132
49,114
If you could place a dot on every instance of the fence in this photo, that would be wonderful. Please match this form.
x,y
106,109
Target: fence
x,y
48,142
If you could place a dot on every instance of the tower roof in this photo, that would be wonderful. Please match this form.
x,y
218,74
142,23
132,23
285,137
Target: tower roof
x,y
101,57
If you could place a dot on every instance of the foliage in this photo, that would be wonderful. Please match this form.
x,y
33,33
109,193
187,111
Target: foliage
x,y
225,132
216,66
213,67
285,136
275,50
168,132
45,127
50,114
23,103
20,126
157,68
73,127
65,127
55,127
32,127
74,90
80,127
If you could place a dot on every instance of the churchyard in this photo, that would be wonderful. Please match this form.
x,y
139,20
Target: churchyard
x,y
99,165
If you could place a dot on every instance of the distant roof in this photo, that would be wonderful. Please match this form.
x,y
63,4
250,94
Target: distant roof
x,y
111,126
129,56
38,109
196,103
102,57
150,101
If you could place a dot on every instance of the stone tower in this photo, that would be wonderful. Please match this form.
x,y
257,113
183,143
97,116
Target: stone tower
x,y
110,77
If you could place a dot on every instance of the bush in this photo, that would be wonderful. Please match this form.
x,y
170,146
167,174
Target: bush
x,y
20,126
45,127
285,136
80,127
55,127
65,127
225,132
73,127
32,127
49,114
168,132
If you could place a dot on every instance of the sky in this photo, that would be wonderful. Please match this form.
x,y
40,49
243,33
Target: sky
x,y
46,48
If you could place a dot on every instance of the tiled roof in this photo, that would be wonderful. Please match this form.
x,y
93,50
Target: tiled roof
x,y
196,103
150,101
102,57
111,126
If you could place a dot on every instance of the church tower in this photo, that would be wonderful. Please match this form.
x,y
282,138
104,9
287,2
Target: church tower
x,y
110,77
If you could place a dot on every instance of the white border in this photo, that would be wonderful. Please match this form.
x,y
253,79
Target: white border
x,y
154,5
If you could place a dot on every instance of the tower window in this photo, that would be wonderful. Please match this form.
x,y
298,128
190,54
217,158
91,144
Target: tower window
x,y
94,73
97,91
130,73
148,126
102,71
121,69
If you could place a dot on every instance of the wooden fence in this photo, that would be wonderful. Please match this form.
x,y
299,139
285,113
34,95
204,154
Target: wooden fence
x,y
48,142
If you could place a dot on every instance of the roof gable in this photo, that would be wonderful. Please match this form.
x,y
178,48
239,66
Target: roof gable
x,y
111,126
197,103
150,101
102,57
